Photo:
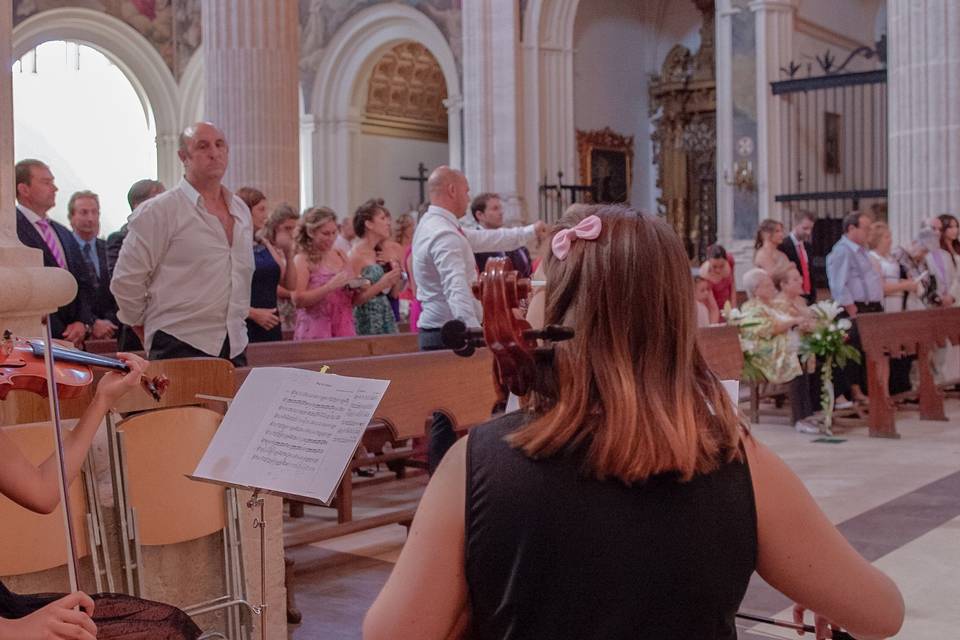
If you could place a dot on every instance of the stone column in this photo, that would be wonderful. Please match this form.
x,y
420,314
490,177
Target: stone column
x,y
774,28
923,67
251,56
28,289
491,92
725,138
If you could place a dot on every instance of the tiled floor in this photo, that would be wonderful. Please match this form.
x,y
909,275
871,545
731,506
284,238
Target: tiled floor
x,y
897,501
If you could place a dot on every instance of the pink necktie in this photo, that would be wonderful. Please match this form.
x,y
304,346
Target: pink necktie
x,y
47,232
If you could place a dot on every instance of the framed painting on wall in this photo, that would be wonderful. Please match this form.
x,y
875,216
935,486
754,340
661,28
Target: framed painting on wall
x,y
606,163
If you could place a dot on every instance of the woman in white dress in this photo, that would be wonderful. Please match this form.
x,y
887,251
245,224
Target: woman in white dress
x,y
880,242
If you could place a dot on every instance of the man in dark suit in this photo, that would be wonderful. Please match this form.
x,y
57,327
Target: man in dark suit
x,y
83,211
36,195
798,248
487,210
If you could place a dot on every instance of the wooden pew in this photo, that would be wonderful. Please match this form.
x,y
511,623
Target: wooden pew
x,y
720,346
261,354
909,333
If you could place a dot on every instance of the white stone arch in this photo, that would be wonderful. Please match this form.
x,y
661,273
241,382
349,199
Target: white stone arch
x,y
548,106
192,91
134,56
336,104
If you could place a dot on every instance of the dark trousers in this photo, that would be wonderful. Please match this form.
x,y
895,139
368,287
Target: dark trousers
x,y
853,373
165,347
804,391
441,436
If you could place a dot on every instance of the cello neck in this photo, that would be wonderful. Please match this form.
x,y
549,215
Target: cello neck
x,y
80,357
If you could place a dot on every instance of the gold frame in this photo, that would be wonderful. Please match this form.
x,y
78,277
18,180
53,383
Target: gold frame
x,y
605,139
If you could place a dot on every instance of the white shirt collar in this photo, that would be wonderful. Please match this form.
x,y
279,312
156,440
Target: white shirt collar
x,y
447,215
32,216
92,242
195,198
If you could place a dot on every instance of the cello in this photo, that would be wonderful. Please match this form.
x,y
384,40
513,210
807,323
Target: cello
x,y
521,352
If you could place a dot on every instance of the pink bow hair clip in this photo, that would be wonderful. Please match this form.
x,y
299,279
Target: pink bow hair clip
x,y
586,229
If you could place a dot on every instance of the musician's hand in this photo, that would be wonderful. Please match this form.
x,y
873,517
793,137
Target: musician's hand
x,y
823,627
56,621
113,386
75,332
103,329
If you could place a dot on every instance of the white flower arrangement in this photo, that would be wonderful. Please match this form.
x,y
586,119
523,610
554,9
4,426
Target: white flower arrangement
x,y
828,341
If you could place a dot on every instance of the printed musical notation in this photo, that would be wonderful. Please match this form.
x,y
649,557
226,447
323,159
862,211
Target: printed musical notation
x,y
292,431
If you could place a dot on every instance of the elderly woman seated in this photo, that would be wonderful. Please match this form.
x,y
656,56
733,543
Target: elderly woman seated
x,y
767,328
803,389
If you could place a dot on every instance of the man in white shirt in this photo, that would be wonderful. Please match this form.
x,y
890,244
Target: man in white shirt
x,y
346,235
182,279
445,269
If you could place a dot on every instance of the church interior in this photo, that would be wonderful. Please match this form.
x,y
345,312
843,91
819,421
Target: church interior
x,y
796,151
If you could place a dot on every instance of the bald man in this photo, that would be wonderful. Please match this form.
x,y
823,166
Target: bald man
x,y
444,269
182,279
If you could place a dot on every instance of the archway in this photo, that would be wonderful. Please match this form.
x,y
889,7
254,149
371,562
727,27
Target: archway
x,y
130,52
339,95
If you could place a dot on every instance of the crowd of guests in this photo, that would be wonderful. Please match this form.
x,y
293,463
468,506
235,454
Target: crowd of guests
x,y
161,282
865,274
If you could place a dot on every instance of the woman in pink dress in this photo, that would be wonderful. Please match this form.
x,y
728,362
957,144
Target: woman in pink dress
x,y
323,301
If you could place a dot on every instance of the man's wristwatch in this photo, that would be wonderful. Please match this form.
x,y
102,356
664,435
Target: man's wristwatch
x,y
88,330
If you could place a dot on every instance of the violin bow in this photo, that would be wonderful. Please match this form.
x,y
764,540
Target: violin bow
x,y
837,634
73,568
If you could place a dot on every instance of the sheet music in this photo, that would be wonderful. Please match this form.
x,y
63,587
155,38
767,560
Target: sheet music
x,y
291,431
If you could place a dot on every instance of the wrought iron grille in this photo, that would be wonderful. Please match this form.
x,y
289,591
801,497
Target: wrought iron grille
x,y
555,198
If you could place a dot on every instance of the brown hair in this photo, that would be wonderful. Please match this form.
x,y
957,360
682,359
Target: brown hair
x,y
281,214
250,196
876,233
767,226
951,247
403,222
76,196
852,219
23,171
631,388
365,212
479,204
312,220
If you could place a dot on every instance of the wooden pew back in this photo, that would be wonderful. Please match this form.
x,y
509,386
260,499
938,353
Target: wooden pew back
x,y
720,347
262,354
420,383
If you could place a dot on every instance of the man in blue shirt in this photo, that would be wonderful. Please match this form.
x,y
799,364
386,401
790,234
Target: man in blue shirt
x,y
857,287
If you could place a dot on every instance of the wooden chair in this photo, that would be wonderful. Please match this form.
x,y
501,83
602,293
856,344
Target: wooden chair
x,y
36,542
158,449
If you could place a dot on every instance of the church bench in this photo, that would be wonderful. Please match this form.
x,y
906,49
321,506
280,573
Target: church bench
x,y
908,333
261,354
720,346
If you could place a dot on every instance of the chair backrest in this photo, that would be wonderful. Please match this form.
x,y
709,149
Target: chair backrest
x,y
720,346
159,448
188,377
35,542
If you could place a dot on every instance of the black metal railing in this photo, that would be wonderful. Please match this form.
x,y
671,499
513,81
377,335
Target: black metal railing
x,y
555,198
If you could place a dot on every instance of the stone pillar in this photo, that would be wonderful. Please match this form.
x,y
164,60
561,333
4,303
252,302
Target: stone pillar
x,y
251,55
169,169
924,129
29,289
774,30
491,58
725,137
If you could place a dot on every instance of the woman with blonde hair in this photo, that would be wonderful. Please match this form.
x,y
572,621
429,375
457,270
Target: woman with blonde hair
x,y
767,245
626,500
321,294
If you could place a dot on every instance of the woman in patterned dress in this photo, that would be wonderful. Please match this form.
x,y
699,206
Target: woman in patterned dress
x,y
373,314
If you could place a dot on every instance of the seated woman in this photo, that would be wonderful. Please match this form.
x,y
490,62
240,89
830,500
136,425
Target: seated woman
x,y
626,500
373,257
324,303
804,391
37,488
718,271
775,353
707,311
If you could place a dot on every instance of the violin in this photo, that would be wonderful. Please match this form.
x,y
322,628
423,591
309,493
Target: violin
x,y
518,354
22,367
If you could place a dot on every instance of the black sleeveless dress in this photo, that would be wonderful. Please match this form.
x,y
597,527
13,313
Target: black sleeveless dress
x,y
551,553
263,293
116,615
